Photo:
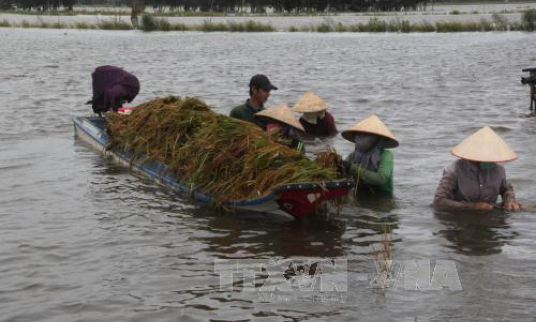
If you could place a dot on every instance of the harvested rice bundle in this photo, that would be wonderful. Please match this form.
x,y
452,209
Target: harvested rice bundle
x,y
225,157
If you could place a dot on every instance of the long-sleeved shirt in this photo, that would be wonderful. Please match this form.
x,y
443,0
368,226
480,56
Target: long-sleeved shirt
x,y
111,86
464,183
324,127
247,113
381,179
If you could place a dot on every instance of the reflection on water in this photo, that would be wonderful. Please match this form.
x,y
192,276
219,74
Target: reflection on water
x,y
267,238
476,233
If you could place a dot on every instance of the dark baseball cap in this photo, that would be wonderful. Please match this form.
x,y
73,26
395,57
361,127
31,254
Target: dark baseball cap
x,y
261,81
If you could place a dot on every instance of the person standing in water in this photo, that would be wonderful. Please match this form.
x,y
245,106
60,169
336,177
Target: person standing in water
x,y
259,91
371,164
316,121
281,120
475,181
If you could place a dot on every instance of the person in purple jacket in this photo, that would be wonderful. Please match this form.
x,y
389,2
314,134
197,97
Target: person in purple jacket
x,y
316,121
112,86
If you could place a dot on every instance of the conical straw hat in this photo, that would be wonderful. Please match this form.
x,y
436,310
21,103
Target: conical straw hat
x,y
374,125
484,146
281,113
309,102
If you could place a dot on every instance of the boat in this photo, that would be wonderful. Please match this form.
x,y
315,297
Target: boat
x,y
297,200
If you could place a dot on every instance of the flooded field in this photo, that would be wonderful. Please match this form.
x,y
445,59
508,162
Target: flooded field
x,y
82,239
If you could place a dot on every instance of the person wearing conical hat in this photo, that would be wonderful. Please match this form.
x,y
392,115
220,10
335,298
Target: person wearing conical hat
x,y
475,181
316,120
259,91
371,163
281,119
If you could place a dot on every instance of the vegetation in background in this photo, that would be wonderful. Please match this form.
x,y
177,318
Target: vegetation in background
x,y
528,20
149,23
234,6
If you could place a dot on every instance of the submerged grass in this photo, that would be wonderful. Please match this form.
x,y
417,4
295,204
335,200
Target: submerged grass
x,y
116,24
230,26
528,20
228,158
383,258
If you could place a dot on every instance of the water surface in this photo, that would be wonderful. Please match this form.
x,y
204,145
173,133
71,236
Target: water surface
x,y
82,239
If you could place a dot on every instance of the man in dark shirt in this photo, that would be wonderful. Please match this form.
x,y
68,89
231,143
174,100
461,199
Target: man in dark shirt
x,y
259,91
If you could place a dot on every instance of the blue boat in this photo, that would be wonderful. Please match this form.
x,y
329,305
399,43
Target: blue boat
x,y
297,200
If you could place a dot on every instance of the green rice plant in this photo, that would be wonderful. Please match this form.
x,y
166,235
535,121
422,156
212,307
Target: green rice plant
x,y
253,26
500,22
249,26
352,28
58,25
375,25
515,26
398,25
209,26
340,27
148,23
25,24
383,259
5,23
528,20
405,26
486,25
449,26
324,27
180,27
164,25
475,25
454,12
293,29
43,24
82,25
424,26
114,25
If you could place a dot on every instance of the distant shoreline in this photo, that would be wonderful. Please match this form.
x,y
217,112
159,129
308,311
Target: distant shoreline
x,y
374,25
397,22
430,9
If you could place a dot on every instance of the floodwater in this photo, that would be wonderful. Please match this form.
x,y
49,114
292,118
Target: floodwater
x,y
82,239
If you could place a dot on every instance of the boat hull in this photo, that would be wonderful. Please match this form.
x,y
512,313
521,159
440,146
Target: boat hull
x,y
291,200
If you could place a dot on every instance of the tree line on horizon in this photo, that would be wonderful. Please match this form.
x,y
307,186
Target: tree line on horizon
x,y
229,6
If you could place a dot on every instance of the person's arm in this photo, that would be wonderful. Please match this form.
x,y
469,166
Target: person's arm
x,y
507,191
332,128
379,177
445,194
508,196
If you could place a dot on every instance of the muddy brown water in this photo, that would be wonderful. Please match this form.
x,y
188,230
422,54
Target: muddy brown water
x,y
82,239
